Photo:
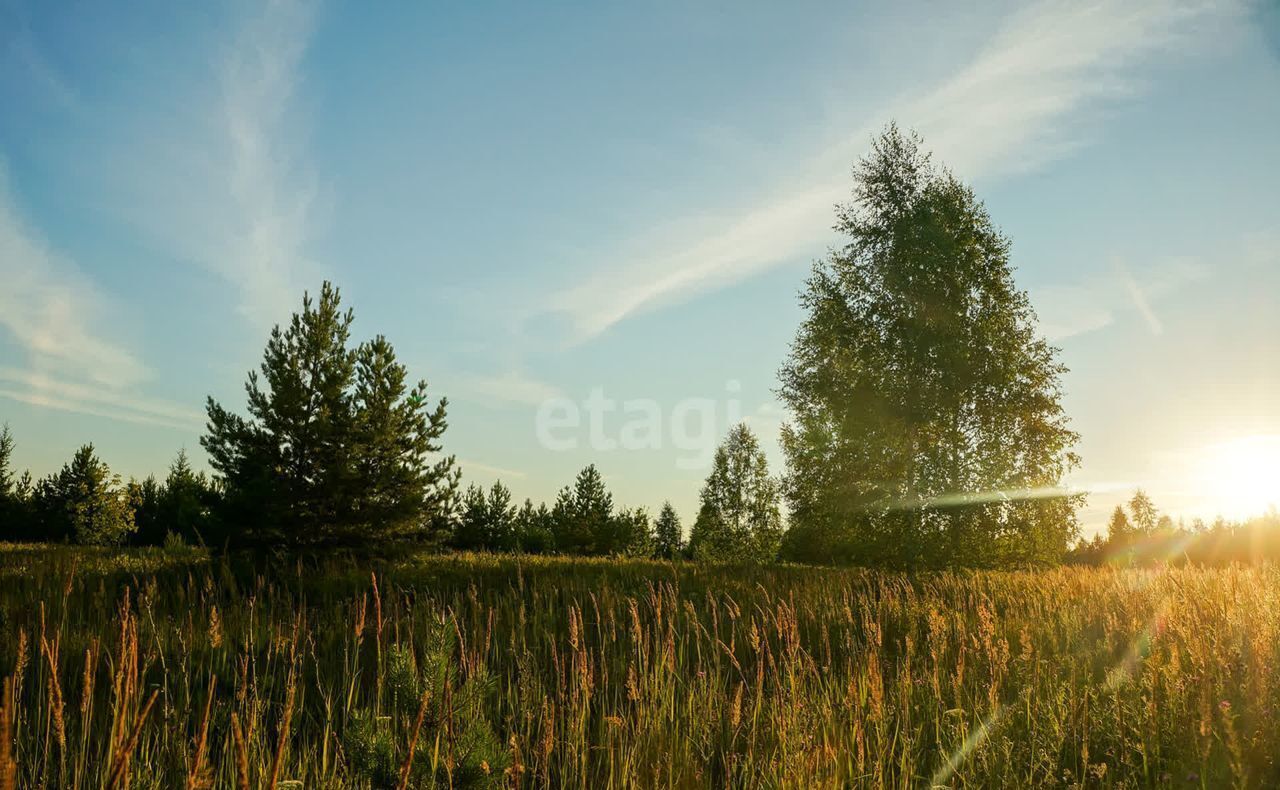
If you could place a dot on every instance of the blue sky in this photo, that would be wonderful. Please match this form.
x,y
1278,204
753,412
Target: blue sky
x,y
535,203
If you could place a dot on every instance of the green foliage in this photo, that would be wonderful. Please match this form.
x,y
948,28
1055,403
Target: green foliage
x,y
630,535
144,500
534,534
336,449
668,538
583,515
927,424
1145,515
6,459
451,708
739,519
86,502
486,522
1119,529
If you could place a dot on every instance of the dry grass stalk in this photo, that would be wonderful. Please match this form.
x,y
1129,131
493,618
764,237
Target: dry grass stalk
x,y
8,763
413,741
120,771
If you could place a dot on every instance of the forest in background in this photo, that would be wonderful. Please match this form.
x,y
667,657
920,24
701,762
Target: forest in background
x,y
926,431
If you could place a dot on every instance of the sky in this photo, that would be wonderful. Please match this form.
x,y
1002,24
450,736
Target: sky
x,y
551,210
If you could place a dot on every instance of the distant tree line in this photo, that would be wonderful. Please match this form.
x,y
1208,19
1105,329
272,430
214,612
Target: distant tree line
x,y
1138,534
926,427
338,450
85,503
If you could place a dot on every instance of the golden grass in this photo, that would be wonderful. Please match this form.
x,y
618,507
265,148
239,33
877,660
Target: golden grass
x,y
594,673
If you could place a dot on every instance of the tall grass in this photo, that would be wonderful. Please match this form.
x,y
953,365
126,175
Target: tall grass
x,y
146,669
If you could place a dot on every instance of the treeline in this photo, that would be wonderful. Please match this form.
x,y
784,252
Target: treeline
x,y
85,503
922,401
1138,533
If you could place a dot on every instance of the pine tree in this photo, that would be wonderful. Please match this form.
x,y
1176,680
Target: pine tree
x,y
334,450
6,458
10,505
927,427
1119,530
739,518
185,501
583,515
472,528
668,538
501,522
395,437
145,500
533,529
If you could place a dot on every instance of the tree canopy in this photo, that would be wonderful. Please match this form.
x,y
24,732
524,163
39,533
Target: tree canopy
x,y
927,427
336,447
739,518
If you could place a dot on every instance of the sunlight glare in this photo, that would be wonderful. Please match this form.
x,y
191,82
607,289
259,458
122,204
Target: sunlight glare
x,y
1242,476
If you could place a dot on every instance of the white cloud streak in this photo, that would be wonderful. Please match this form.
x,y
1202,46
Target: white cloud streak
x,y
1017,105
222,178
509,387
50,307
1069,310
486,469
55,314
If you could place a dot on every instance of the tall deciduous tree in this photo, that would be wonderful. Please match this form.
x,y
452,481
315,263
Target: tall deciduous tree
x,y
1145,515
335,449
739,518
927,427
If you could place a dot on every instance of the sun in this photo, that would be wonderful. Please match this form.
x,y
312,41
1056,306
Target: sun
x,y
1242,476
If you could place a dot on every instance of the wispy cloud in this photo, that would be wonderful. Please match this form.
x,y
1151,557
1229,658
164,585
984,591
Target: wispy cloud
x,y
1017,104
56,315
509,387
50,307
271,189
486,469
42,390
222,177
1094,303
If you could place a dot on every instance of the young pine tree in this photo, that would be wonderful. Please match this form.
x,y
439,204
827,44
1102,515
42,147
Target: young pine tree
x,y
145,499
533,529
6,459
927,420
1119,531
500,530
334,450
471,524
739,519
583,515
668,537
185,502
10,529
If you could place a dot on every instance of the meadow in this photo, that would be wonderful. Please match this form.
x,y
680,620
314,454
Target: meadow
x,y
154,669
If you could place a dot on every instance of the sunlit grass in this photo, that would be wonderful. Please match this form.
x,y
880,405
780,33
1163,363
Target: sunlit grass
x,y
482,670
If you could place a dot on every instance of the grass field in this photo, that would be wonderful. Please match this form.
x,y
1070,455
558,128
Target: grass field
x,y
146,669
